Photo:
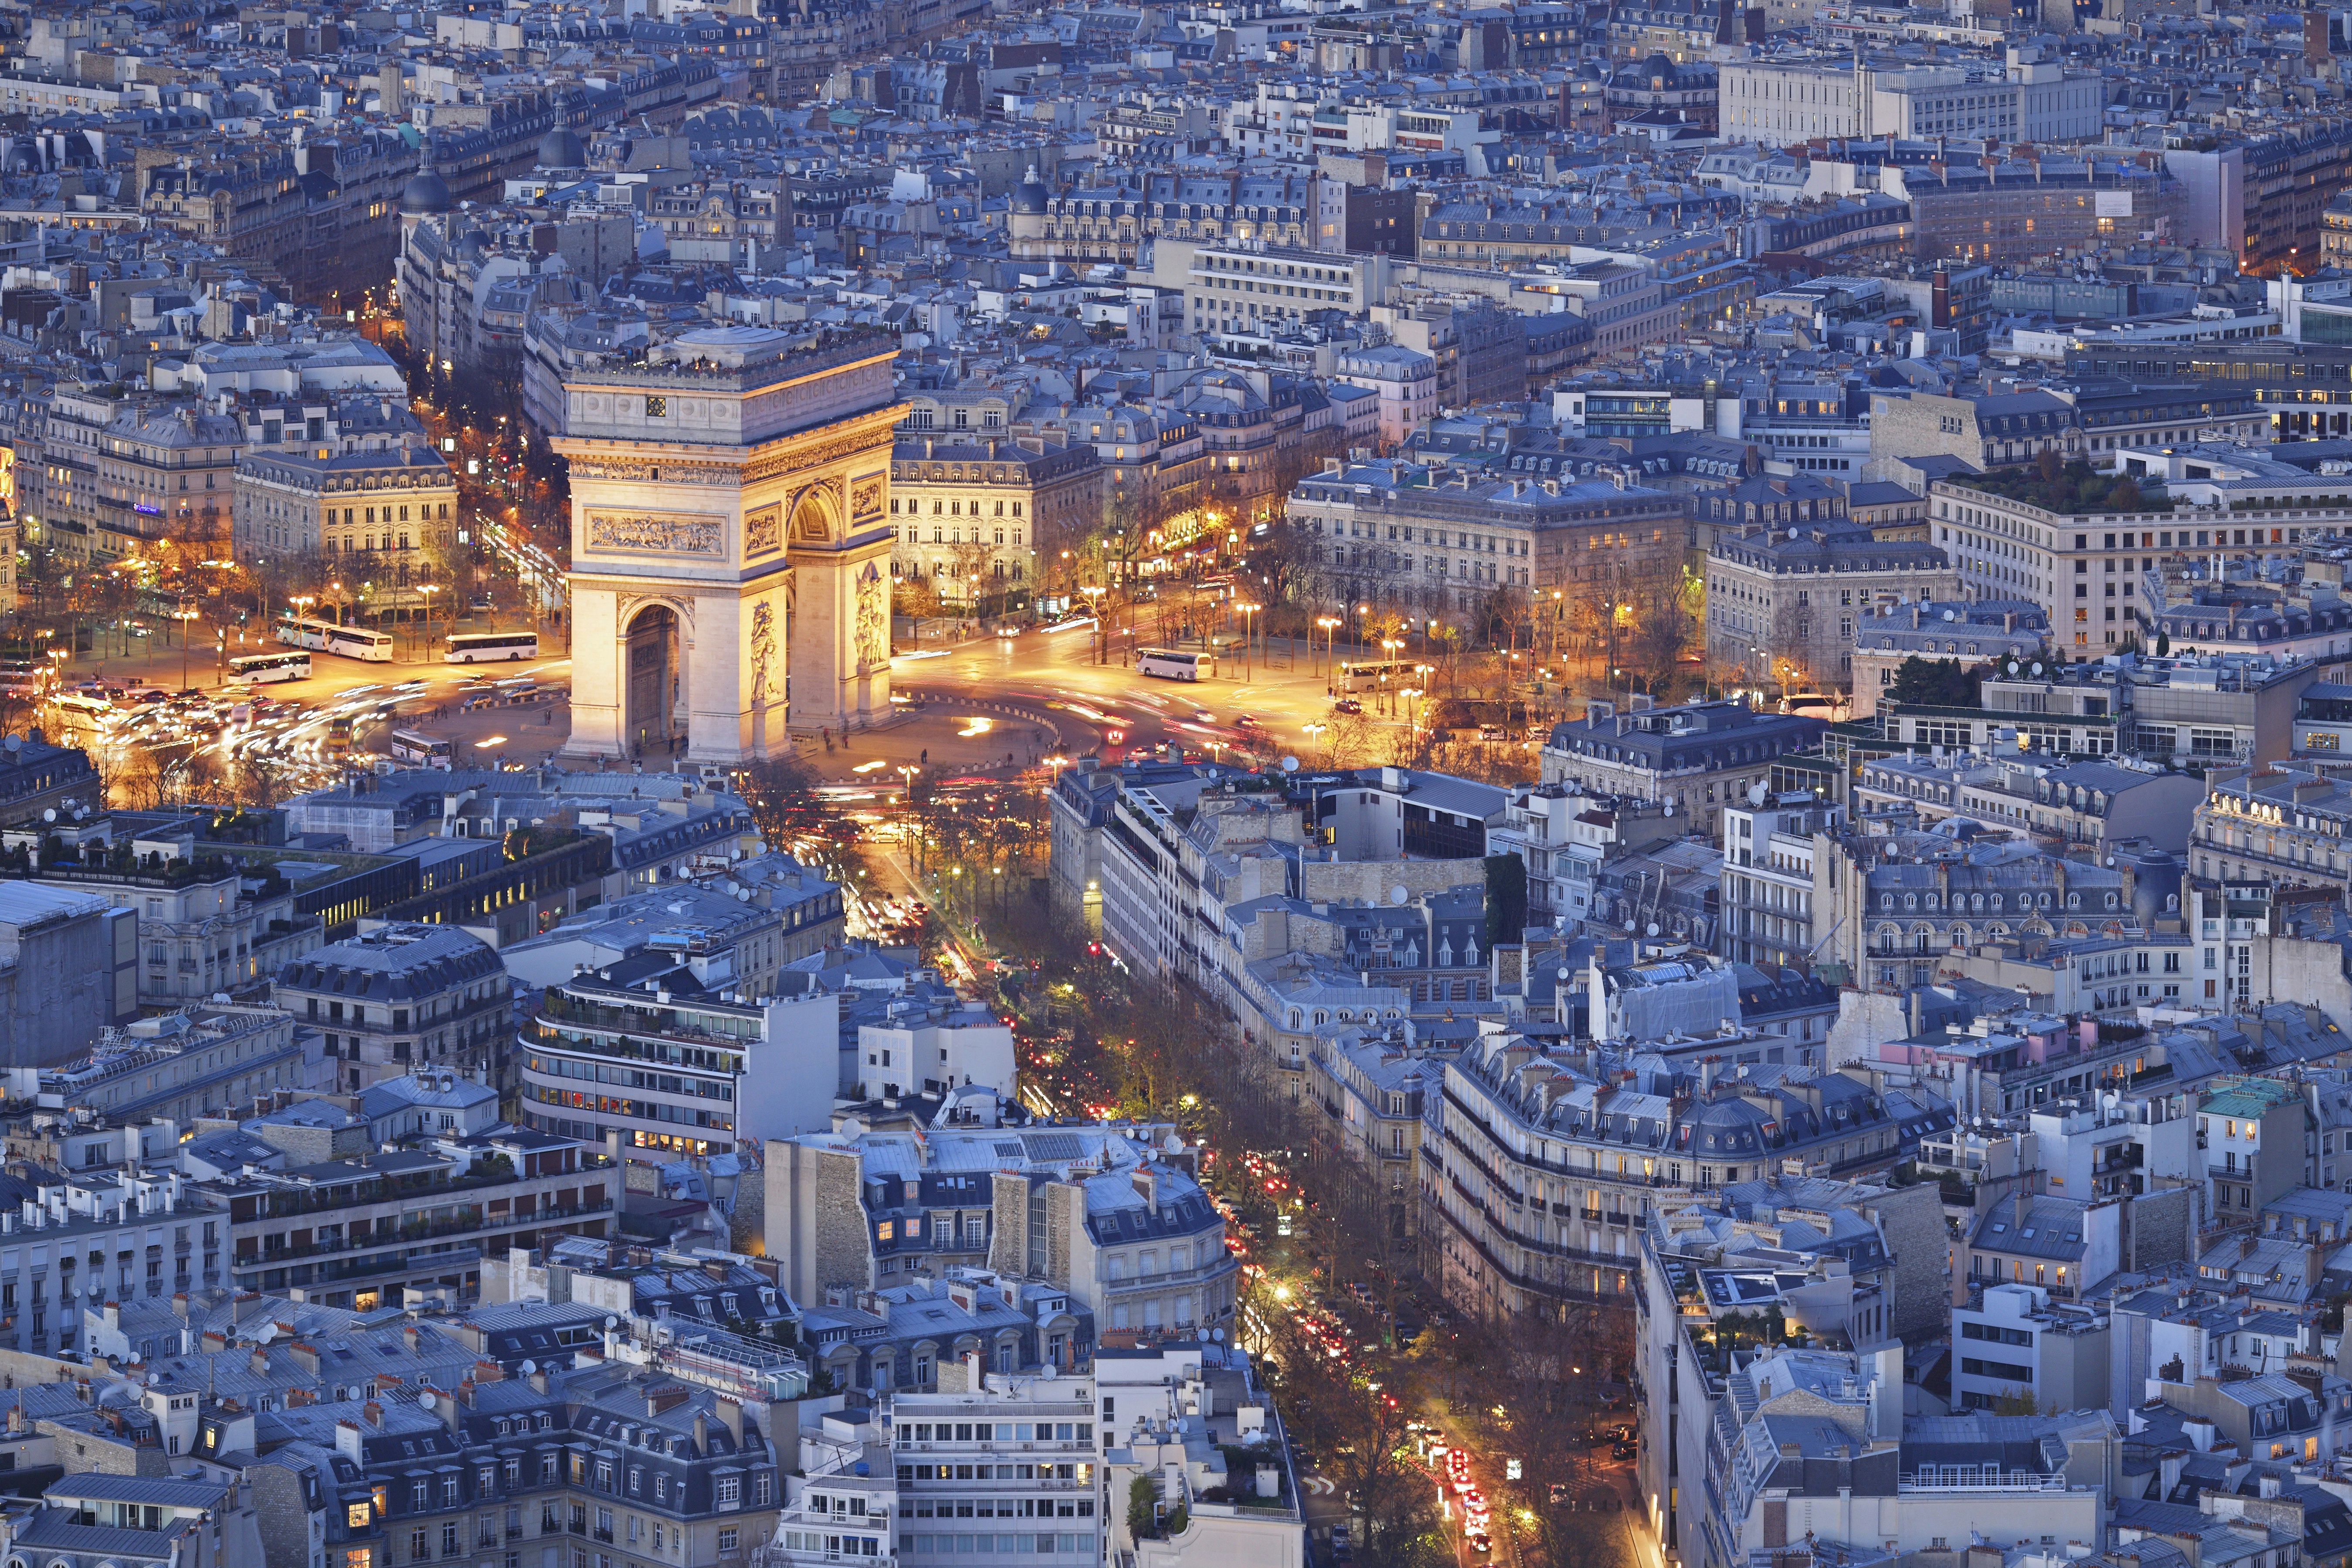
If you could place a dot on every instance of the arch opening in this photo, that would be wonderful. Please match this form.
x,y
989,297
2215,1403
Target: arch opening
x,y
655,665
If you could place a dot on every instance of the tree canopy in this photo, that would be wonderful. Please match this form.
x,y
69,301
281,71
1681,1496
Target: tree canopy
x,y
1939,682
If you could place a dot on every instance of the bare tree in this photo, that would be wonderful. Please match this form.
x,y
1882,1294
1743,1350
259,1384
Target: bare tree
x,y
1662,634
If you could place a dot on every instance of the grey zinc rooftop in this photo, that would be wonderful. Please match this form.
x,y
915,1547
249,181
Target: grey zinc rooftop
x,y
162,1492
397,962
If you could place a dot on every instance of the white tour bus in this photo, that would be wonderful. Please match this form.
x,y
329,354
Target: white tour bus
x,y
473,647
326,637
425,751
1175,665
294,665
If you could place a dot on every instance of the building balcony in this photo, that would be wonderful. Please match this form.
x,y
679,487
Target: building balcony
x,y
1978,1478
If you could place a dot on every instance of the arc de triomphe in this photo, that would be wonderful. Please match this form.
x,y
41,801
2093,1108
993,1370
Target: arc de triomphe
x,y
730,543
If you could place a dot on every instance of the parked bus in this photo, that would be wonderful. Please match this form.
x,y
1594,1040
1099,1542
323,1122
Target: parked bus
x,y
326,637
425,751
261,666
473,647
1175,665
1368,677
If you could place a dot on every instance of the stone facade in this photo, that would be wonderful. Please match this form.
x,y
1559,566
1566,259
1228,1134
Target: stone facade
x,y
730,544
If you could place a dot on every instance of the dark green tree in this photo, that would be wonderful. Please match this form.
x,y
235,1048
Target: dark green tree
x,y
1939,682
1142,1494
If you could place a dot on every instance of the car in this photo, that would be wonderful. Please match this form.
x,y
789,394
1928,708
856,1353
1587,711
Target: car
x,y
1480,1544
1347,705
1245,721
1204,716
1559,1492
1339,1535
1623,1450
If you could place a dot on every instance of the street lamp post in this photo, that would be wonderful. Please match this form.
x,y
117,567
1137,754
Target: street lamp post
x,y
429,590
1249,631
1093,591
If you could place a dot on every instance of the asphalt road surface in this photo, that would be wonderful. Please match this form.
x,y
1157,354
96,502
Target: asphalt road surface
x,y
1264,703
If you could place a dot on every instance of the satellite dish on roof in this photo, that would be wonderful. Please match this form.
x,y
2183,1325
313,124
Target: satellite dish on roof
x,y
1560,974
1397,895
1290,764
15,744
2037,666
50,815
612,1322
1651,929
527,1367
1952,615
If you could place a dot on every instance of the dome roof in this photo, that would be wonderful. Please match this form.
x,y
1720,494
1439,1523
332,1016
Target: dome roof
x,y
1031,196
425,191
1727,1126
560,148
